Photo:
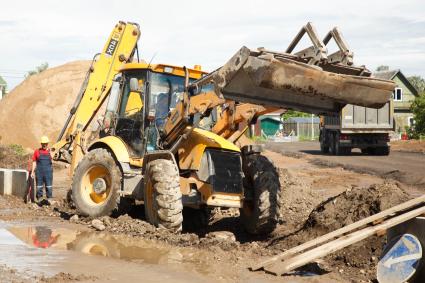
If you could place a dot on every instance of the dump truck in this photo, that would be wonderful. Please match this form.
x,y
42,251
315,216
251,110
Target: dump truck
x,y
357,127
151,147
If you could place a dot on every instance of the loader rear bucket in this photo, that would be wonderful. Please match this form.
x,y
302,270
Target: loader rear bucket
x,y
275,79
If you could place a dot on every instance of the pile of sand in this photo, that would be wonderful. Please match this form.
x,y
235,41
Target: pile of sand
x,y
40,105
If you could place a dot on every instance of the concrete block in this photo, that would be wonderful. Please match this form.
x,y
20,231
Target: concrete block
x,y
19,182
5,182
13,182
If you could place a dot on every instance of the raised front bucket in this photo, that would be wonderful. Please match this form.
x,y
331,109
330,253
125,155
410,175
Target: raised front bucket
x,y
274,79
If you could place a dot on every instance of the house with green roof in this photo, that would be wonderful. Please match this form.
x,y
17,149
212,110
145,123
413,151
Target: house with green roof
x,y
403,96
3,86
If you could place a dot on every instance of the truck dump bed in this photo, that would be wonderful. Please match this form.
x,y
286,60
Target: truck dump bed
x,y
278,79
358,119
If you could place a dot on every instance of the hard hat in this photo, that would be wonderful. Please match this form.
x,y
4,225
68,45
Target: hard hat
x,y
44,139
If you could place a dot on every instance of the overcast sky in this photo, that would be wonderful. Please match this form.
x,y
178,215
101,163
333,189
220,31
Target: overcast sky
x,y
207,32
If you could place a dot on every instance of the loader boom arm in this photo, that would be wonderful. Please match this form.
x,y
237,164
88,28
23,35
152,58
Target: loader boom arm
x,y
119,49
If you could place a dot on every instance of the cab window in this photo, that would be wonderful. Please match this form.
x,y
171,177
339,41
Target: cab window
x,y
132,102
165,91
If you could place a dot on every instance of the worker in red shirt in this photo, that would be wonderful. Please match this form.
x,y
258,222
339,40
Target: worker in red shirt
x,y
42,169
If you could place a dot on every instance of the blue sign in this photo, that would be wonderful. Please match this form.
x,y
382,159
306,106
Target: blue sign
x,y
400,262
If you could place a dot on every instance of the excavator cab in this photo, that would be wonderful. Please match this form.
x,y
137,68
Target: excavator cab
x,y
124,111
139,104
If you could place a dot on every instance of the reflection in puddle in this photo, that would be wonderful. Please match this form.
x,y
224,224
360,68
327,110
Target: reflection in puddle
x,y
101,244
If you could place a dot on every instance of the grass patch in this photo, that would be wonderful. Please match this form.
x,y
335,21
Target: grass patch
x,y
17,149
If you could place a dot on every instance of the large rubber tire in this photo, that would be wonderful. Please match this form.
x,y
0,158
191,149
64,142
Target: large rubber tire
x,y
371,151
383,150
261,214
333,144
162,195
96,164
323,147
336,147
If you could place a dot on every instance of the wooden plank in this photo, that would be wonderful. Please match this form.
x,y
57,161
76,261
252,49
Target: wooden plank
x,y
340,243
339,232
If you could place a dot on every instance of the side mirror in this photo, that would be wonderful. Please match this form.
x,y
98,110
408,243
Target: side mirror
x,y
134,85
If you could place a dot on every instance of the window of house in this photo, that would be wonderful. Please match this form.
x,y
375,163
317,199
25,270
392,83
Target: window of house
x,y
410,121
398,94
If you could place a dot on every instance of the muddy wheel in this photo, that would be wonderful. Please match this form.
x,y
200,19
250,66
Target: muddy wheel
x,y
96,184
162,195
260,213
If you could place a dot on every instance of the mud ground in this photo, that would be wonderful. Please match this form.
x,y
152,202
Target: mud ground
x,y
316,199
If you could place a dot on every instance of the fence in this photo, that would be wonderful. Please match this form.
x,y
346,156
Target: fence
x,y
303,130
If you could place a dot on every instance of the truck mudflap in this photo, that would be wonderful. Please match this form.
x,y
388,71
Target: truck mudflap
x,y
280,79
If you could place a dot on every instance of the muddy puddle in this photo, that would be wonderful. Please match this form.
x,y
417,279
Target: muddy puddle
x,y
36,250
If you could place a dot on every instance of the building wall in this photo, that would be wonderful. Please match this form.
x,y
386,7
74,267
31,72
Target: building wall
x,y
408,96
401,120
402,111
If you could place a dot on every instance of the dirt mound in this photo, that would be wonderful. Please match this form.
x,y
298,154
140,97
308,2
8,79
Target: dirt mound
x,y
344,209
13,156
354,205
341,210
40,104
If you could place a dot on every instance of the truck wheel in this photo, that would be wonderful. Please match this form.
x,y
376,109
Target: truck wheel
x,y
323,147
333,144
260,214
338,149
162,195
96,184
384,150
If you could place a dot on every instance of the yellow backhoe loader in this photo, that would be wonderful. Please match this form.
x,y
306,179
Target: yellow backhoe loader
x,y
155,144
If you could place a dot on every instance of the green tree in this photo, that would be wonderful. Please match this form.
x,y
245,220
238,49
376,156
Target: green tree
x,y
382,68
38,69
418,110
418,82
292,113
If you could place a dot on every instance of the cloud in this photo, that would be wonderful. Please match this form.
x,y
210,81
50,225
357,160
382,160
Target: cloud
x,y
208,32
